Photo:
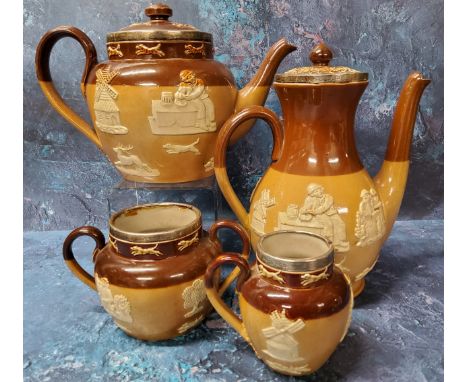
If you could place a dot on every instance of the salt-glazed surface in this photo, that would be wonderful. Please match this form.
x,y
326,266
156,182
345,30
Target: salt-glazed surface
x,y
396,333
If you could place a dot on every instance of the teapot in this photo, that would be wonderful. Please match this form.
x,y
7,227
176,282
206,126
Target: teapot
x,y
316,181
149,275
160,98
296,306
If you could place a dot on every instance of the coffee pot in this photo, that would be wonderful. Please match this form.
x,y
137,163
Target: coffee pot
x,y
160,98
316,181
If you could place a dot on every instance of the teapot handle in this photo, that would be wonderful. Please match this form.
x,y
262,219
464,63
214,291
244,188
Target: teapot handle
x,y
215,298
69,257
46,83
213,232
221,146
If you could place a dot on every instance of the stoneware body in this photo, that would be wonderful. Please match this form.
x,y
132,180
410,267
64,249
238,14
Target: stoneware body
x,y
153,289
159,99
316,181
294,320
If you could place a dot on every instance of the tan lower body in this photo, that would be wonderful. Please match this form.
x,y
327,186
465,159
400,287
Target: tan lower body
x,y
310,347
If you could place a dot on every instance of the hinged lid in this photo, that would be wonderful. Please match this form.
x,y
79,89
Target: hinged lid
x,y
159,28
320,72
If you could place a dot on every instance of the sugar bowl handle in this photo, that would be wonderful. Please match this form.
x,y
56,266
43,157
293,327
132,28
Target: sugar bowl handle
x,y
221,146
44,49
69,257
213,232
215,298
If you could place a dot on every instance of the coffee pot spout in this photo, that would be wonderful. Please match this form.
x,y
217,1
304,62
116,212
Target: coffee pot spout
x,y
391,179
256,90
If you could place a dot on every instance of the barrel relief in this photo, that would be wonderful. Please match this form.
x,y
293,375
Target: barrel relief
x,y
318,214
187,111
118,305
370,219
106,110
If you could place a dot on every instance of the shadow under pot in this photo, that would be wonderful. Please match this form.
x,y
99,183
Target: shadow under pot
x,y
149,275
295,304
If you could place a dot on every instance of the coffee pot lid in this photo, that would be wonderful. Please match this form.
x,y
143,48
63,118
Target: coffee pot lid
x,y
159,28
321,72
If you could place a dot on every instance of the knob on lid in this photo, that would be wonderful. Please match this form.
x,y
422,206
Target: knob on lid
x,y
159,27
321,72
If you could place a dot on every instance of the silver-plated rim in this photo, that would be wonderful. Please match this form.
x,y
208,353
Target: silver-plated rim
x,y
295,265
152,237
332,78
159,35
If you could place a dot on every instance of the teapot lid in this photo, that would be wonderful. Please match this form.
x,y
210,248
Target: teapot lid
x,y
320,72
158,28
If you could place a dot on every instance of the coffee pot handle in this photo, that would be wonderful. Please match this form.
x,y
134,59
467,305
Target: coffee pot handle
x,y
69,257
215,298
46,83
213,232
221,146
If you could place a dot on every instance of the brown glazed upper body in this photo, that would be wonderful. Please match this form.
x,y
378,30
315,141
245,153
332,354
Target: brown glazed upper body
x,y
160,98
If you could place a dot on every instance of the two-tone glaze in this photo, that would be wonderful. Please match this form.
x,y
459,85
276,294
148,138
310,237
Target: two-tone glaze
x,y
153,289
293,320
316,181
160,98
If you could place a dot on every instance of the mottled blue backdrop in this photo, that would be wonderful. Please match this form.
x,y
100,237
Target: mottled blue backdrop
x,y
67,179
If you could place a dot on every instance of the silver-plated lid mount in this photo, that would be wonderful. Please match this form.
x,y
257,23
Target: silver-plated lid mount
x,y
321,72
295,251
159,28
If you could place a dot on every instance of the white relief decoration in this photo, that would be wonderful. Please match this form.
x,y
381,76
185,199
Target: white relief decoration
x,y
114,51
293,370
117,306
194,296
190,324
181,245
319,215
154,50
131,164
271,275
177,149
187,111
309,278
370,220
209,166
105,104
280,342
259,215
136,250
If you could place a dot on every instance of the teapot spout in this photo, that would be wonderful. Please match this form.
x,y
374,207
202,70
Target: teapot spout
x,y
391,178
256,90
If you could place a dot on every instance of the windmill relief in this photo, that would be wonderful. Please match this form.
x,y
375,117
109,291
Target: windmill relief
x,y
319,215
105,104
187,111
370,220
280,342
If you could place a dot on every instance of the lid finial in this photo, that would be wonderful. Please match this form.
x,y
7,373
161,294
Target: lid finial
x,y
158,11
321,55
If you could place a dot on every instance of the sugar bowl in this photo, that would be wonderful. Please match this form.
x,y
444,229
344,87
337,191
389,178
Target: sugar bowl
x,y
149,275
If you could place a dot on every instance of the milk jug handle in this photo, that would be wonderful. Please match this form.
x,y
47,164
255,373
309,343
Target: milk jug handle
x,y
216,299
69,256
232,225
221,146
46,83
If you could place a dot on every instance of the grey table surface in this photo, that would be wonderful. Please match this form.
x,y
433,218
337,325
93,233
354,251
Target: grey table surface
x,y
396,333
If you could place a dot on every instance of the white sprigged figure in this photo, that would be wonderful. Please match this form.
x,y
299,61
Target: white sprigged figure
x,y
194,297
